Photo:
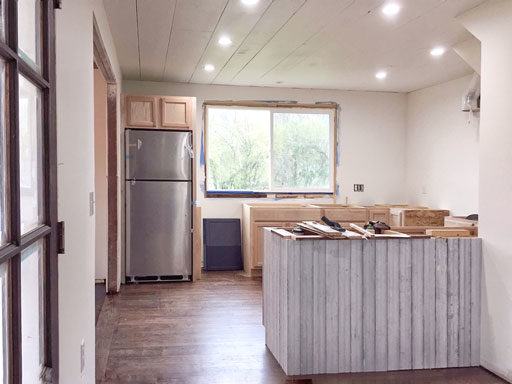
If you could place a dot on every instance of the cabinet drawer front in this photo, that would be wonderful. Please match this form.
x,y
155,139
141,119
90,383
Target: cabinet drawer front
x,y
286,214
351,215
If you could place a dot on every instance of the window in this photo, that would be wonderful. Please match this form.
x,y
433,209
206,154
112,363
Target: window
x,y
273,150
28,194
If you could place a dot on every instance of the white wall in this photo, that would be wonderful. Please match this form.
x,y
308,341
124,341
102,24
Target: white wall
x,y
442,149
75,152
492,24
100,175
372,137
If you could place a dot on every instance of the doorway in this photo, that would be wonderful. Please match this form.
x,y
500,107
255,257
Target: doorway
x,y
107,167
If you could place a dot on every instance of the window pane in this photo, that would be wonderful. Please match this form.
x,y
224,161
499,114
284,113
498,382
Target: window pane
x,y
238,149
32,312
3,16
4,315
3,158
301,151
31,171
29,31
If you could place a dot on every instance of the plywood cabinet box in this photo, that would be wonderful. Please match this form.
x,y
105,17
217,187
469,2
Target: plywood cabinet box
x,y
160,112
403,216
257,216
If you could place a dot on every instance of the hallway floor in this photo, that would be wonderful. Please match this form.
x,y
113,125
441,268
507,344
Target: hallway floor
x,y
210,332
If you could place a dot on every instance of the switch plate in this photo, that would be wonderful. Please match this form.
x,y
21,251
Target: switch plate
x,y
91,203
358,187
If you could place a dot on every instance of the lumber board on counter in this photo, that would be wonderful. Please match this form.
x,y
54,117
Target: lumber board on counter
x,y
421,230
456,221
447,233
372,305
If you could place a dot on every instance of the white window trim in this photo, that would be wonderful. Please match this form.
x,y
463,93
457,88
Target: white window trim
x,y
276,190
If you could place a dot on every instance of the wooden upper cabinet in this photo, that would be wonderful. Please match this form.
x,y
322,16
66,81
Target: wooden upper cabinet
x,y
141,111
160,112
176,112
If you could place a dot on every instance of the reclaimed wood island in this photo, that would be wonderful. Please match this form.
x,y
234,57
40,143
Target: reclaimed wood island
x,y
334,306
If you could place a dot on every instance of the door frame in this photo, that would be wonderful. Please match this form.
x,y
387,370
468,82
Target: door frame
x,y
103,62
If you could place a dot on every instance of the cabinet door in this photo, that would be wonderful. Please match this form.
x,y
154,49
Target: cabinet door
x,y
176,112
257,255
141,111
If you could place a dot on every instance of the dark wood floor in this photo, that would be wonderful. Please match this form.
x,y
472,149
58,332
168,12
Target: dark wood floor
x,y
210,332
99,293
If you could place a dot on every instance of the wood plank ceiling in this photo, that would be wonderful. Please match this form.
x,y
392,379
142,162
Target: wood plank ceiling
x,y
289,43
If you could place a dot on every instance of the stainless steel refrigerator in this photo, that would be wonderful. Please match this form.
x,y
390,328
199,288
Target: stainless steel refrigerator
x,y
158,205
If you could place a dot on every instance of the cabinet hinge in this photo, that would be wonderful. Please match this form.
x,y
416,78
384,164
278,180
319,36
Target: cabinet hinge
x,y
57,4
61,234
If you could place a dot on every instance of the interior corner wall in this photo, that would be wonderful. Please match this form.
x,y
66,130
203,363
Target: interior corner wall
x,y
442,149
372,138
75,154
491,23
100,175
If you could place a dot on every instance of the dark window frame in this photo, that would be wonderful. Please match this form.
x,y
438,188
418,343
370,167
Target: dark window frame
x,y
48,231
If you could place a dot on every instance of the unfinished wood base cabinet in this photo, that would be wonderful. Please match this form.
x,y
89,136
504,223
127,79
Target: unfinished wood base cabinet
x,y
257,216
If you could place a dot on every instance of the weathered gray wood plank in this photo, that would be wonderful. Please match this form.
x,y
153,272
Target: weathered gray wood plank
x,y
319,301
356,306
344,306
332,305
306,304
405,288
369,306
417,303
476,268
453,302
294,309
464,303
429,303
393,305
283,302
441,303
381,306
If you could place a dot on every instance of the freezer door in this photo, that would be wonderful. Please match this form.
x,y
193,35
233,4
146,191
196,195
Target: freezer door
x,y
158,228
158,155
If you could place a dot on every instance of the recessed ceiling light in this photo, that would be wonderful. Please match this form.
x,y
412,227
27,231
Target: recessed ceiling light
x,y
391,9
437,51
225,41
250,2
381,75
209,67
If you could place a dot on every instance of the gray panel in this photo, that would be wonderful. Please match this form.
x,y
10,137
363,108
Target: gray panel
x,y
406,271
158,155
158,223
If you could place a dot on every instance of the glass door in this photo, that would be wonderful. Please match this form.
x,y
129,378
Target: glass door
x,y
28,196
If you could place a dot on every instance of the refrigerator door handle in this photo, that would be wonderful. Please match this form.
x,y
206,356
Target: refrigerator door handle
x,y
139,144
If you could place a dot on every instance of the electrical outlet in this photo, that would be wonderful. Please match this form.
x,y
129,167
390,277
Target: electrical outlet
x,y
358,187
82,357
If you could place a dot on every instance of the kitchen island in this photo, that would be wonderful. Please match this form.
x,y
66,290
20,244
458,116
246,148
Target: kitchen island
x,y
333,306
